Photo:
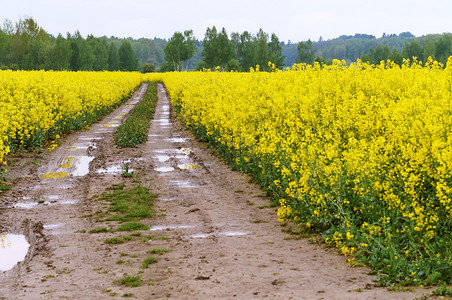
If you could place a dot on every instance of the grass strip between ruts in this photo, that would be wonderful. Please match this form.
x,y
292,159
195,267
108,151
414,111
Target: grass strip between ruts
x,y
134,130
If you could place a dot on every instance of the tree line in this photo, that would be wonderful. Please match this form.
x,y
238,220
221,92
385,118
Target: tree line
x,y
438,47
373,50
239,52
27,46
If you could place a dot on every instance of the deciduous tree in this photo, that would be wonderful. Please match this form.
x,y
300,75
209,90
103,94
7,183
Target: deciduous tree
x,y
180,49
127,58
218,49
306,52
275,52
113,58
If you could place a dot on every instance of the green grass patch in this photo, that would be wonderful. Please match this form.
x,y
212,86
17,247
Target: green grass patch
x,y
114,240
131,281
148,261
4,187
126,204
125,170
98,230
131,203
157,251
443,291
115,187
134,130
132,226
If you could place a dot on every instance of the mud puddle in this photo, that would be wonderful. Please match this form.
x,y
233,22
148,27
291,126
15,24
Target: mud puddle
x,y
32,205
169,227
13,249
219,234
164,169
72,165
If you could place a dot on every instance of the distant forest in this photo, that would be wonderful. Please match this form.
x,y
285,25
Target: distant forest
x,y
25,45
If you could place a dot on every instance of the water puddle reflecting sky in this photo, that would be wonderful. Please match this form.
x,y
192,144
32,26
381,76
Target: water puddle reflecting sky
x,y
188,166
164,169
53,226
224,233
110,170
82,166
31,205
177,140
162,158
13,249
183,184
153,228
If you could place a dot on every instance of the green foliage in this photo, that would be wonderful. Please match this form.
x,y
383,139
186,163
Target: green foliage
x,y
167,67
127,58
132,226
4,187
381,53
130,281
246,50
179,49
130,204
113,58
306,52
125,170
61,54
261,55
148,261
443,48
232,65
134,130
241,52
201,65
147,68
86,56
98,230
413,49
114,240
27,46
275,52
100,50
443,290
217,49
157,251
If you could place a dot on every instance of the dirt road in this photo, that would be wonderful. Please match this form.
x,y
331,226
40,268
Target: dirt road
x,y
223,239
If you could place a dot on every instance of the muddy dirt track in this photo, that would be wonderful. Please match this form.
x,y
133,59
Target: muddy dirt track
x,y
223,238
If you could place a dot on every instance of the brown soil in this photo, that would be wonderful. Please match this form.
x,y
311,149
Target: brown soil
x,y
223,238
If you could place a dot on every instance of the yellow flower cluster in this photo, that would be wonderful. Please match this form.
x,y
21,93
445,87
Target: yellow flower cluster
x,y
36,105
362,150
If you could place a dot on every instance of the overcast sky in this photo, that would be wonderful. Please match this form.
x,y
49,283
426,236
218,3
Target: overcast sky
x,y
288,19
